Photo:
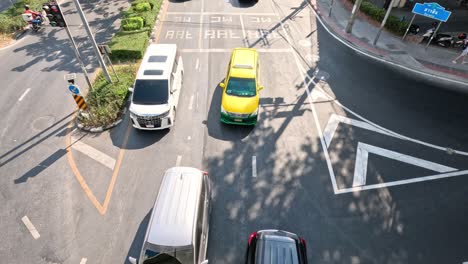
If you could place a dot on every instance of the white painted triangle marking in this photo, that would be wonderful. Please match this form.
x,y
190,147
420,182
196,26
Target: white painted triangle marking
x,y
363,150
335,120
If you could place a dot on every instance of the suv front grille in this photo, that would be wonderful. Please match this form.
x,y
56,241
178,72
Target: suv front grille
x,y
236,115
145,121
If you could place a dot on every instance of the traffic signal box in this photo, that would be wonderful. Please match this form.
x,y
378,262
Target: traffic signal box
x,y
54,14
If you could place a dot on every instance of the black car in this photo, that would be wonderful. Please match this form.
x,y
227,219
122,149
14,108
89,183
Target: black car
x,y
275,246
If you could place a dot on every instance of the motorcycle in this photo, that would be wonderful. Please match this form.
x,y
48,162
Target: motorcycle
x,y
460,42
36,23
440,39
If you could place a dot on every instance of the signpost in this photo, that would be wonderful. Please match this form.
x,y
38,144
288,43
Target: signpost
x,y
431,10
75,91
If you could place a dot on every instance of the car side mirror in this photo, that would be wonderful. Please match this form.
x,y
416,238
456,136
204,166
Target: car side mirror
x,y
222,85
260,88
204,262
132,260
130,89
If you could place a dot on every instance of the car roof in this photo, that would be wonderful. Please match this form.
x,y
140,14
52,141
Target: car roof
x,y
277,247
244,63
173,218
157,62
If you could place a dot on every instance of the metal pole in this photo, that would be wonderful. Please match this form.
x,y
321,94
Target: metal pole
x,y
433,34
93,41
353,16
411,23
75,49
331,6
112,67
389,9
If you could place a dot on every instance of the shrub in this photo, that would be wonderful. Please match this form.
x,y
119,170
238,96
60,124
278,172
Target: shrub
x,y
132,23
128,46
142,7
10,25
106,100
149,18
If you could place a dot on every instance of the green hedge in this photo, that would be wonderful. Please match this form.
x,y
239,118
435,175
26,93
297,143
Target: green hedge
x,y
132,23
106,100
128,46
139,20
393,24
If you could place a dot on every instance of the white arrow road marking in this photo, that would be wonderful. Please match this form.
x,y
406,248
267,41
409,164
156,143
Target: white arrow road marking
x,y
363,150
83,261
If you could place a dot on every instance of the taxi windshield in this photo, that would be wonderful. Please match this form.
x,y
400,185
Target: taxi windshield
x,y
241,87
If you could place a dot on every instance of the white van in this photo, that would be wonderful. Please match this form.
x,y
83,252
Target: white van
x,y
157,88
179,224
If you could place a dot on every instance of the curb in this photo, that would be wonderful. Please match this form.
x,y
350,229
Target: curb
x,y
458,85
101,128
17,37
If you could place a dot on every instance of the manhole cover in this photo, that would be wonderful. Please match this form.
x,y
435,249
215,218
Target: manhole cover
x,y
43,122
305,43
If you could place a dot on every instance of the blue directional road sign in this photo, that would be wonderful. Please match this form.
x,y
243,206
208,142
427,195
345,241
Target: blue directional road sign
x,y
432,10
74,89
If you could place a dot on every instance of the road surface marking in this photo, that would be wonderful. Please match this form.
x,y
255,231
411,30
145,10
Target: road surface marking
x,y
219,13
83,261
335,120
363,150
191,103
189,138
201,25
24,94
254,166
95,154
243,28
230,50
30,227
401,182
197,64
314,112
178,161
197,101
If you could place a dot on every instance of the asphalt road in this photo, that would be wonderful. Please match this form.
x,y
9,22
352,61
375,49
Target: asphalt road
x,y
356,163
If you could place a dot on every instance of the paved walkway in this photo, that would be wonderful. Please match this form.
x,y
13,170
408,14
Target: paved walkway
x,y
435,61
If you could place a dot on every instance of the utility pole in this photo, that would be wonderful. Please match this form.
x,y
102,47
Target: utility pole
x,y
93,41
75,49
389,9
353,16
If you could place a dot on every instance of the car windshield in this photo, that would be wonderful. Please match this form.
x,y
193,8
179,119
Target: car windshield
x,y
241,87
151,92
276,251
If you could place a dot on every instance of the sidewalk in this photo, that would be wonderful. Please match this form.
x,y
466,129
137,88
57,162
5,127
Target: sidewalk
x,y
434,61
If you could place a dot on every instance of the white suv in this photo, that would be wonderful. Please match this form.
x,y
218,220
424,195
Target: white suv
x,y
157,88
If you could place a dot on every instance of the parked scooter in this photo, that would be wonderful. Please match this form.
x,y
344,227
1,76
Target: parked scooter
x,y
36,24
33,18
440,39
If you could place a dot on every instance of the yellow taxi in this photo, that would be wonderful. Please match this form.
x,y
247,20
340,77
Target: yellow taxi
x,y
240,99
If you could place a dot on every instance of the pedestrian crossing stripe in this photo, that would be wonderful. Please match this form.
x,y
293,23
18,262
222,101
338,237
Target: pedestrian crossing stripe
x,y
80,102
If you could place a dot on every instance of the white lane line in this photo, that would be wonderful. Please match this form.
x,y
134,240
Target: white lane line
x,y
197,101
219,13
24,94
254,166
243,28
191,103
314,112
201,24
197,63
230,50
401,182
83,261
30,227
95,154
178,161
335,120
